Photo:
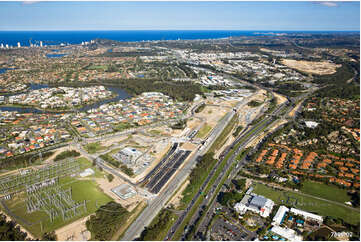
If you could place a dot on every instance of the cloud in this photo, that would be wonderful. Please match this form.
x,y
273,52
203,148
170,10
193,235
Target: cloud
x,y
328,4
30,2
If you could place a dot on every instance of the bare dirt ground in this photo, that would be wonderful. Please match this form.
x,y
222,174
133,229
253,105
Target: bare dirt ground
x,y
313,67
212,114
280,99
75,231
175,201
293,111
194,123
113,141
106,186
57,152
188,146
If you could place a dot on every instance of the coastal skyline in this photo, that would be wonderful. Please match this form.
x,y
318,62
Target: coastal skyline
x,y
265,16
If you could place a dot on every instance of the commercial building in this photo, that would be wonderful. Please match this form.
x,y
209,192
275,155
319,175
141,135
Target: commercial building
x,y
307,215
286,233
255,203
311,124
281,212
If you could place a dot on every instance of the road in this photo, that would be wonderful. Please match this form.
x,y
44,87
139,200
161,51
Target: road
x,y
281,111
245,138
156,204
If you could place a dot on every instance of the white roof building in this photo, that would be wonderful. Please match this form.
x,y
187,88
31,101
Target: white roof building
x,y
87,172
311,124
255,203
277,219
307,215
287,233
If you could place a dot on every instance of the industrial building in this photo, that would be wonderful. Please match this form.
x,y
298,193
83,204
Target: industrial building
x,y
128,155
124,191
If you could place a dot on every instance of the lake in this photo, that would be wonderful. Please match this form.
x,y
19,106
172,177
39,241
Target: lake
x,y
121,95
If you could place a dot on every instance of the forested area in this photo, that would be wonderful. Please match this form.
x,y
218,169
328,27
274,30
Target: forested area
x,y
22,160
182,91
10,231
106,221
67,154
157,226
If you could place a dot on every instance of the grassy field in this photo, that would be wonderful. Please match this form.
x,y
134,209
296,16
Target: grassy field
x,y
98,67
204,131
86,189
329,192
92,148
309,204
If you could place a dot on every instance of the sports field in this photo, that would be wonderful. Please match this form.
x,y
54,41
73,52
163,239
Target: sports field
x,y
329,192
313,205
86,189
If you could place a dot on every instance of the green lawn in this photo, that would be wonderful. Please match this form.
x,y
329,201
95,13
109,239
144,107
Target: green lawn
x,y
329,192
312,205
98,67
204,131
85,163
92,148
81,190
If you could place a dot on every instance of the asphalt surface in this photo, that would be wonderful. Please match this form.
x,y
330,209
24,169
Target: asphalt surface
x,y
156,204
246,137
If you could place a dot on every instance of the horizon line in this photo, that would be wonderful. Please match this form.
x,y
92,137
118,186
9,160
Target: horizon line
x,y
52,30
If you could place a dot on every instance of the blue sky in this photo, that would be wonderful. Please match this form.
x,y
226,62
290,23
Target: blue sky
x,y
340,16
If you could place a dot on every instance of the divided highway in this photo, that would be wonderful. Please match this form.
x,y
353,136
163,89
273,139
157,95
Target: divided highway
x,y
245,138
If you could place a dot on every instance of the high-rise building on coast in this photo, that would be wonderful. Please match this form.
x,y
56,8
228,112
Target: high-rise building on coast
x,y
41,43
19,45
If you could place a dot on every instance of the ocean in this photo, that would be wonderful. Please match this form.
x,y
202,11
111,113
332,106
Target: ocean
x,y
76,37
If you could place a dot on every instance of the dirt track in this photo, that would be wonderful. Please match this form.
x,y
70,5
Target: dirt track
x,y
312,67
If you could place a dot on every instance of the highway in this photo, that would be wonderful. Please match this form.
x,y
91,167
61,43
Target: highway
x,y
246,137
281,111
156,204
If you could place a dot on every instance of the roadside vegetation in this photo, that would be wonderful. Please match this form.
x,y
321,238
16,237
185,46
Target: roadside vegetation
x,y
204,131
23,161
221,139
159,227
106,221
67,154
197,177
117,164
92,148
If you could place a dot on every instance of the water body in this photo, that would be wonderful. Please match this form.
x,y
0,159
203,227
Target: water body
x,y
3,70
121,95
55,55
76,37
